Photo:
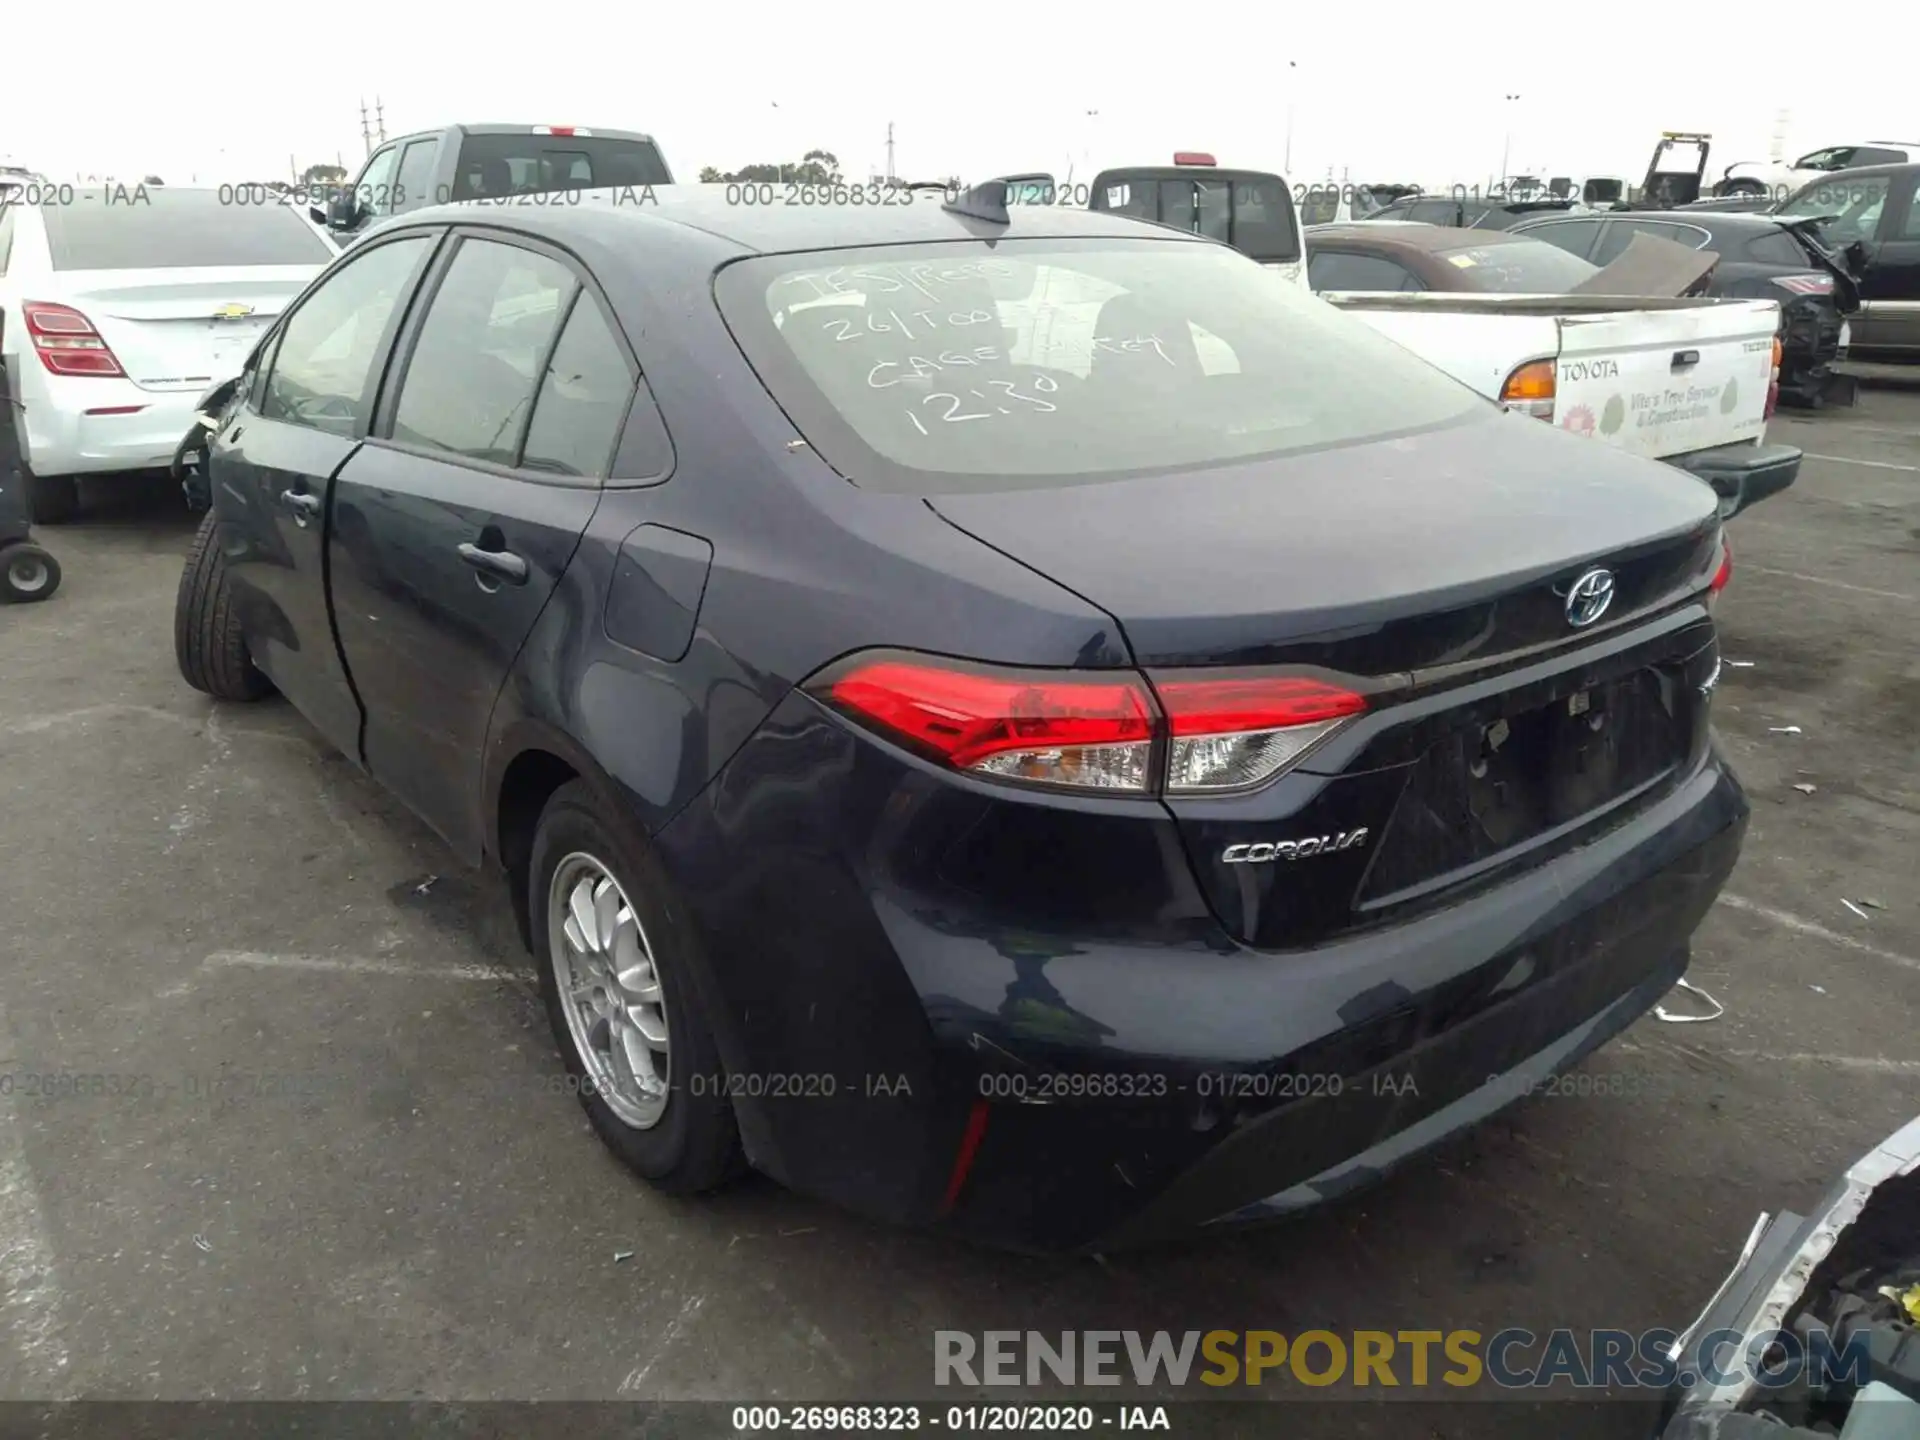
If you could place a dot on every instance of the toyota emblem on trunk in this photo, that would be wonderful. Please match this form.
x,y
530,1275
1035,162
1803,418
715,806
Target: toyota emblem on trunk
x,y
1588,598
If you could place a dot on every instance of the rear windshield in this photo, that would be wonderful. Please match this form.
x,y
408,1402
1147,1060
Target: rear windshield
x,y
1520,267
1603,192
1252,213
495,165
161,228
941,368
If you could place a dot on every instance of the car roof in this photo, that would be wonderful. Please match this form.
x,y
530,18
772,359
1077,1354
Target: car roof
x,y
1865,171
735,227
1730,220
589,132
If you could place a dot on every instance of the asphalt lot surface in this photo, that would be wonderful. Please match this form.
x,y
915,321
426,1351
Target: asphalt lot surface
x,y
213,899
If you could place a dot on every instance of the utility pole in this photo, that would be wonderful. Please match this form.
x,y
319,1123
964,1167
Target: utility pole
x,y
379,120
1287,164
366,131
890,152
1506,150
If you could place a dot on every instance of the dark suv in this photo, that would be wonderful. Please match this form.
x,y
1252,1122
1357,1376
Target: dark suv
x,y
1761,258
1872,216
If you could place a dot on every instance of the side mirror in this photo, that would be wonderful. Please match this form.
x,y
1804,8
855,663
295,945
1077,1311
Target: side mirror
x,y
343,211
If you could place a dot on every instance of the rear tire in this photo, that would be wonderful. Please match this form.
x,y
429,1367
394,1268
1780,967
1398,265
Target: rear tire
x,y
53,499
691,1144
207,643
27,573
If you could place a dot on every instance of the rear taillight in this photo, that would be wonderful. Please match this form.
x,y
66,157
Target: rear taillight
x,y
1185,732
1805,284
1723,572
1041,727
66,341
1530,389
1773,382
1192,157
560,130
1227,734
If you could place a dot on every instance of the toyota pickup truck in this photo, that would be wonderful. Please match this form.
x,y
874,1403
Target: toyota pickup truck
x,y
1630,358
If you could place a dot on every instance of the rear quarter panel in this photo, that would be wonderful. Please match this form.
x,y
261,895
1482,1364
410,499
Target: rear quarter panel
x,y
804,566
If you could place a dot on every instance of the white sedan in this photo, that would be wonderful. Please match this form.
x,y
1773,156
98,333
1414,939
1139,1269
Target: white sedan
x,y
122,306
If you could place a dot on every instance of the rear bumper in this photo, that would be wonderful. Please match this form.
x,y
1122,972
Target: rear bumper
x,y
63,438
1051,1081
1745,474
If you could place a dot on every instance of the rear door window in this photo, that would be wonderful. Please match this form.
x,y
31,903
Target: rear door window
x,y
166,228
323,370
583,398
476,363
495,165
1434,212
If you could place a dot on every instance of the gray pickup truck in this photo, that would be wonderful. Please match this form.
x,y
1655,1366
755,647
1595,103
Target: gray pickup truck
x,y
486,162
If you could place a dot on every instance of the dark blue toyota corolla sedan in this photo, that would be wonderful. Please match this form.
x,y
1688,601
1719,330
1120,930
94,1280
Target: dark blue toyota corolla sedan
x,y
1020,721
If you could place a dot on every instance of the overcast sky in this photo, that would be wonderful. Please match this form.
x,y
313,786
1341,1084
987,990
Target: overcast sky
x,y
233,95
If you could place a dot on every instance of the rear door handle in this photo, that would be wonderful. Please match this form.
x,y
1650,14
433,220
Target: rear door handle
x,y
1683,358
500,564
303,505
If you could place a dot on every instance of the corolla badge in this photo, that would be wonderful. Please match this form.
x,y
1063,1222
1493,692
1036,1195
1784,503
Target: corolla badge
x,y
1264,852
1588,598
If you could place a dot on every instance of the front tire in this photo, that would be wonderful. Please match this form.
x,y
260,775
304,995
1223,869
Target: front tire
x,y
626,1014
207,643
27,573
53,499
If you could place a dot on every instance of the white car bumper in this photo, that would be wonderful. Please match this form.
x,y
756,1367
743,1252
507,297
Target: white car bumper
x,y
88,426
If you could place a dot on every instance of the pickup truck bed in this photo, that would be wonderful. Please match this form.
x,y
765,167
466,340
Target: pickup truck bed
x,y
1683,380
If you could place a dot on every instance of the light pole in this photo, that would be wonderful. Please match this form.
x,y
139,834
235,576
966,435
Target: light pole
x,y
1287,164
1506,150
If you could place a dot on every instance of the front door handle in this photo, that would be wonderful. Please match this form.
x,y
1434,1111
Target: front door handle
x,y
498,564
303,505
1683,358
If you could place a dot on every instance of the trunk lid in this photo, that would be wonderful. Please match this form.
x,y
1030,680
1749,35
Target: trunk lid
x,y
1652,266
185,329
1331,556
1435,572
